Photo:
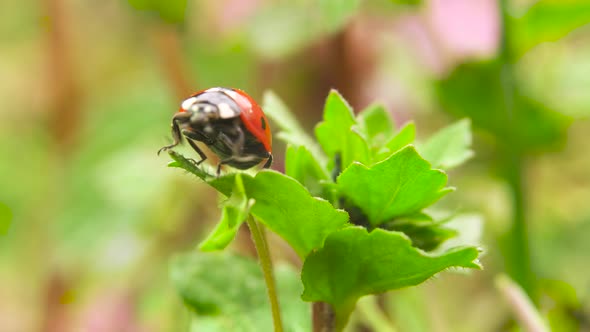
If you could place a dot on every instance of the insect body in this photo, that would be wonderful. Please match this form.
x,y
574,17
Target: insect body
x,y
229,122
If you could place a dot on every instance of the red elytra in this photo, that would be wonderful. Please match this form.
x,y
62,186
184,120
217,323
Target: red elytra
x,y
253,117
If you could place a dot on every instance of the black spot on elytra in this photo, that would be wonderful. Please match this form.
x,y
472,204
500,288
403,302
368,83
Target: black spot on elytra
x,y
263,123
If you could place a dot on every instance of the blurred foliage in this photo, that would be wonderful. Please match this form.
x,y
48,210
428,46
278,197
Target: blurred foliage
x,y
5,218
566,312
289,129
556,74
408,2
518,122
171,11
228,293
547,21
284,27
107,192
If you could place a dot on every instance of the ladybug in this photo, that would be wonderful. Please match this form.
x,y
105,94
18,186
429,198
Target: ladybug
x,y
229,122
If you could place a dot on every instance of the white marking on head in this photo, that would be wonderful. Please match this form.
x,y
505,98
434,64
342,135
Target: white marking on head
x,y
196,117
206,108
225,111
186,105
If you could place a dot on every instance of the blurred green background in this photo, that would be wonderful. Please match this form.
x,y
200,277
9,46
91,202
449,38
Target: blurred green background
x,y
90,216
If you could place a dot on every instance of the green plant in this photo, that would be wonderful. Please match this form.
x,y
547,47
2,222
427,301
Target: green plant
x,y
352,206
5,218
521,125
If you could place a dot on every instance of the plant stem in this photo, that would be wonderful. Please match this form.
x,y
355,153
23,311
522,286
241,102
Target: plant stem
x,y
517,254
259,238
168,46
62,84
519,262
524,310
323,317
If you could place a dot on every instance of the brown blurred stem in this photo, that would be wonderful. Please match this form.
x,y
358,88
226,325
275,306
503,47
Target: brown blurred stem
x,y
63,106
167,44
61,81
323,317
349,64
56,315
517,252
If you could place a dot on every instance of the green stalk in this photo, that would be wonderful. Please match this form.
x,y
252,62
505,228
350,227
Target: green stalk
x,y
518,258
517,253
261,244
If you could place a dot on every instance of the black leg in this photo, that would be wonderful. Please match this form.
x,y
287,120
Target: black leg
x,y
198,150
198,136
268,161
222,162
176,135
236,146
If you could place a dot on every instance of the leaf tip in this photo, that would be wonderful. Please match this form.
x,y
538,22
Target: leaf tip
x,y
447,190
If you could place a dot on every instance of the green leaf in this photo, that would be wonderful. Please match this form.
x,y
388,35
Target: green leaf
x,y
281,203
424,233
231,288
354,263
335,135
287,208
547,21
405,136
303,167
189,165
519,123
171,11
223,184
5,218
375,125
399,186
291,131
450,146
235,211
